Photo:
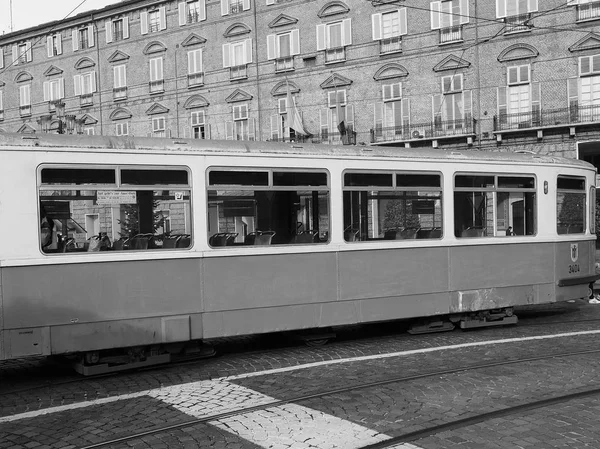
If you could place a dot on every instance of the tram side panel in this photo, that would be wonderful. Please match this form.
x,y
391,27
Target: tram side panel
x,y
575,268
88,306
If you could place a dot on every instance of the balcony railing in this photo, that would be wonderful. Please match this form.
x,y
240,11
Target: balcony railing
x,y
236,7
390,45
195,79
335,54
284,64
25,110
520,22
118,35
119,93
86,100
451,34
154,27
430,130
547,118
238,72
336,138
193,17
588,11
157,86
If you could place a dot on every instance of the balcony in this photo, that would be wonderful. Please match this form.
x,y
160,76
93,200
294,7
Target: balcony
x,y
390,45
157,86
336,138
238,72
284,64
518,23
439,129
195,79
119,93
25,110
588,11
335,55
451,34
86,100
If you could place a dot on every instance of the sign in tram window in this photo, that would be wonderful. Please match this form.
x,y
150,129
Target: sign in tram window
x,y
376,208
270,207
570,205
136,216
476,197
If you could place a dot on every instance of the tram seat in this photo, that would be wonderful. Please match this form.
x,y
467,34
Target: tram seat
x,y
140,241
223,239
184,241
305,237
249,238
434,233
231,236
408,233
264,238
390,234
171,242
351,235
121,244
473,232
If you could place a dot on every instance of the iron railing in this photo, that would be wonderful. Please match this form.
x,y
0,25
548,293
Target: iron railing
x,y
238,72
390,45
119,93
547,118
284,64
451,34
157,86
195,79
429,130
587,11
520,22
86,100
25,110
335,54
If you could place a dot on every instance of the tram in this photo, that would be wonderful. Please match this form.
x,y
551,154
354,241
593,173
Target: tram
x,y
121,252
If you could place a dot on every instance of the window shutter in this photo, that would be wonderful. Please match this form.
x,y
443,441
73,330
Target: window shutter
x,y
403,21
15,55
502,108
125,27
46,90
182,13
376,24
270,2
1,58
93,81
500,9
324,123
595,63
464,11
200,61
271,53
536,97
275,127
467,106
108,31
248,47
347,32
406,113
29,51
144,21
252,129
331,99
573,92
202,13
532,5
386,92
378,116
585,66
226,55
1,101
245,5
90,32
59,43
49,46
75,40
349,115
295,42
207,131
437,108
61,88
229,130
436,8
282,105
225,9
77,80
321,29
524,74
513,75
162,12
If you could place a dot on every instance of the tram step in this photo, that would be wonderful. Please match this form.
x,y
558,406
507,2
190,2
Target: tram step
x,y
428,328
103,368
471,324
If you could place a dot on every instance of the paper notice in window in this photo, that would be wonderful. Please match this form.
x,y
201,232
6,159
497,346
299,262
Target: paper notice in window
x,y
108,197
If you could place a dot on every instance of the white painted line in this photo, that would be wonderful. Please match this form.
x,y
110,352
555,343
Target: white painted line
x,y
157,392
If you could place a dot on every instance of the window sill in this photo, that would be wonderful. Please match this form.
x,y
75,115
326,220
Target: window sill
x,y
393,52
458,41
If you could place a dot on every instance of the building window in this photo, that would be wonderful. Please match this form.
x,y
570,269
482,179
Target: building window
x,y
388,29
156,75
192,11
570,205
392,115
236,56
448,17
117,29
83,38
159,127
120,82
234,6
89,130
282,48
153,21
337,120
22,53
85,86
519,103
333,38
516,14
584,92
122,129
242,127
54,45
54,89
25,100
587,10
452,109
195,70
198,124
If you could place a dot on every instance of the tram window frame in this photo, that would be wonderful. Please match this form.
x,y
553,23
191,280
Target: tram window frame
x,y
241,214
568,187
72,209
395,191
505,207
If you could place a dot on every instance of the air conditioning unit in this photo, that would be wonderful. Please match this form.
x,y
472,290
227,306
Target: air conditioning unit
x,y
417,133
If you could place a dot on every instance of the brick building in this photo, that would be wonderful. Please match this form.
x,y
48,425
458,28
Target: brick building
x,y
503,74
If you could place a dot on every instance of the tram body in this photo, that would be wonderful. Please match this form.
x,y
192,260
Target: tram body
x,y
70,300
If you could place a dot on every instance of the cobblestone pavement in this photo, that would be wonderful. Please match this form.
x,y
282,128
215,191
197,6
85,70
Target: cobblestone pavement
x,y
86,412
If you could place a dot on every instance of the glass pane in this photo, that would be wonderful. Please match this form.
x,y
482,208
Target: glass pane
x,y
78,176
413,180
474,181
241,178
570,183
472,215
367,179
299,179
570,213
154,177
515,182
515,214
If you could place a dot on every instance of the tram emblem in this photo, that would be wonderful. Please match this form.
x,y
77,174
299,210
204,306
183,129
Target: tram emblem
x,y
574,252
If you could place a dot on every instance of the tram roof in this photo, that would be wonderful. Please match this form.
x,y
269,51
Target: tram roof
x,y
50,142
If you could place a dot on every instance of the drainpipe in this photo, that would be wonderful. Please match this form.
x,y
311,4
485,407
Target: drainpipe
x,y
258,97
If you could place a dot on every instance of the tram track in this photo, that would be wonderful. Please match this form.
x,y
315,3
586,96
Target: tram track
x,y
412,436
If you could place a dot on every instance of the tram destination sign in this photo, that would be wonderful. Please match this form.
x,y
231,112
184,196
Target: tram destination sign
x,y
108,197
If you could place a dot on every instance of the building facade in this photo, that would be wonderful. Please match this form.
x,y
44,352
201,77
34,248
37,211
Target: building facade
x,y
504,74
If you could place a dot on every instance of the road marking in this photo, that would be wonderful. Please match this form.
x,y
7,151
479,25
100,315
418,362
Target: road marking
x,y
155,392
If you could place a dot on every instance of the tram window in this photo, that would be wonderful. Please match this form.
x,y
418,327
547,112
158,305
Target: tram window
x,y
154,177
115,219
478,197
78,176
570,204
410,210
368,179
291,208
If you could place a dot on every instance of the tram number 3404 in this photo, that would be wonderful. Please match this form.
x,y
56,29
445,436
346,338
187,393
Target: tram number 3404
x,y
574,268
